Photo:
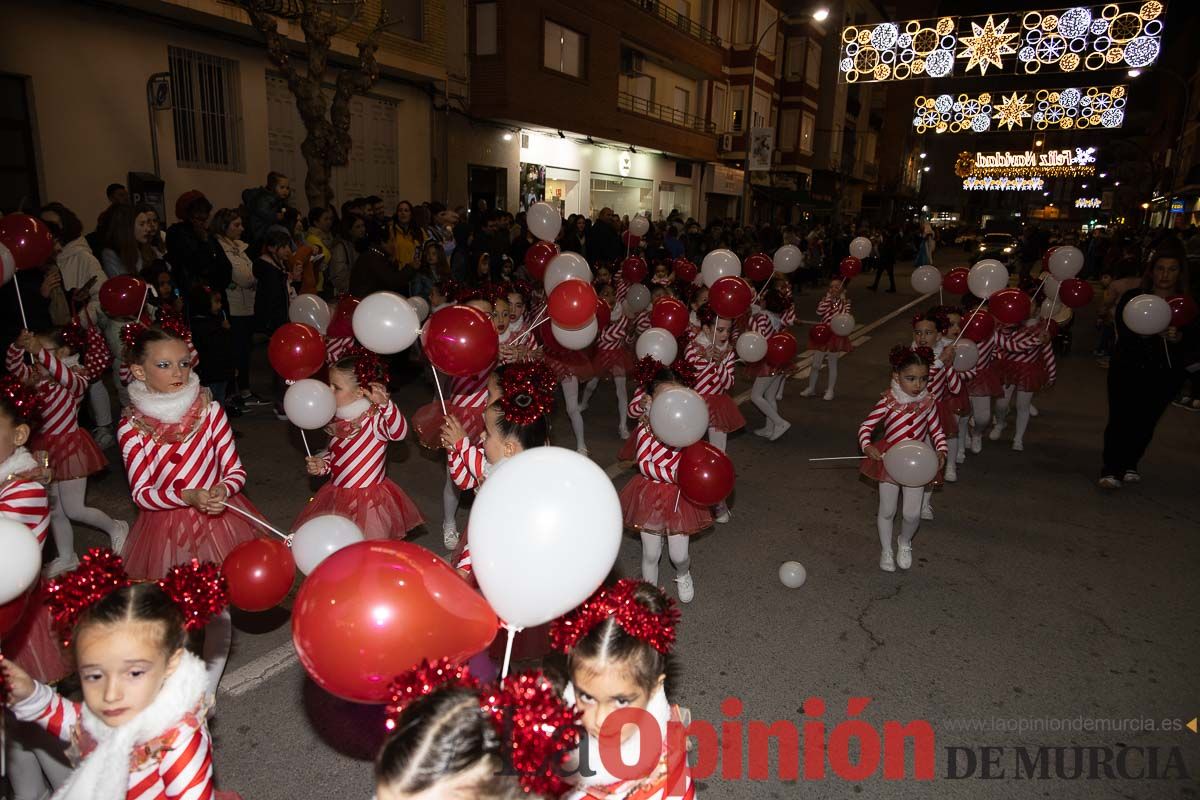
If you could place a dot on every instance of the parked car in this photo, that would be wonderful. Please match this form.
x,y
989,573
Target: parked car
x,y
1000,246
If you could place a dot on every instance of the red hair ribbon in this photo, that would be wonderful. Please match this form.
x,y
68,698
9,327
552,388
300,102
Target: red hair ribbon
x,y
620,602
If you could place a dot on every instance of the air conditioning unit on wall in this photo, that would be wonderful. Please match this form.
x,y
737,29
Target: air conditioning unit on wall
x,y
726,142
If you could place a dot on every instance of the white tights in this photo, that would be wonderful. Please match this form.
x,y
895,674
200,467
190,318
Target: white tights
x,y
718,438
218,636
818,357
66,504
910,513
450,496
622,398
35,759
981,409
570,388
1024,402
964,424
652,547
100,404
764,393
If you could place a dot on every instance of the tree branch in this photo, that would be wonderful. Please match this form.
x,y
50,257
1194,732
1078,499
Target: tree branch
x,y
355,81
264,23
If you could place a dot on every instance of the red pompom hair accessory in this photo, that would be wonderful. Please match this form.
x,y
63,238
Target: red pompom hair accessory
x,y
173,323
24,399
620,602
527,391
199,589
684,371
537,728
645,368
75,337
368,367
901,353
132,334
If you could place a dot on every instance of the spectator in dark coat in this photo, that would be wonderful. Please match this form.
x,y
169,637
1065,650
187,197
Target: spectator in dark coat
x,y
213,341
264,207
190,249
272,271
604,244
375,271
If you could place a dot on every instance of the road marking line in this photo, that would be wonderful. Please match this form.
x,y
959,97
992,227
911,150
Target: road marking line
x,y
260,670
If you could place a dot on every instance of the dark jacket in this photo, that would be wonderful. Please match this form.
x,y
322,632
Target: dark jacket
x,y
375,272
271,298
194,259
262,208
603,244
1134,351
215,346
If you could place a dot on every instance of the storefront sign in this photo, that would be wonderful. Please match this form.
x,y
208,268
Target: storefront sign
x,y
625,165
723,180
1177,206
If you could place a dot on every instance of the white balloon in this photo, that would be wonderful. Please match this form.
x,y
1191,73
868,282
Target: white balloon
x,y
8,265
421,306
565,266
860,247
926,279
986,278
637,299
385,323
1050,285
321,537
309,404
545,532
966,355
310,310
577,339
792,574
1147,314
788,259
22,562
679,417
659,343
639,226
911,463
718,264
842,324
1047,309
1065,262
544,221
751,347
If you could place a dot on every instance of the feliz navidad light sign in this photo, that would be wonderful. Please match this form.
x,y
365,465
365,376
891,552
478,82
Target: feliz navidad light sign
x,y
1080,39
1028,164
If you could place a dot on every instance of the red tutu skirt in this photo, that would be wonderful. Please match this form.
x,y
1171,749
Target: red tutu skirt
x,y
950,409
429,418
877,472
161,539
382,511
836,344
1030,377
33,645
657,507
988,382
723,413
72,455
628,450
761,369
607,363
570,363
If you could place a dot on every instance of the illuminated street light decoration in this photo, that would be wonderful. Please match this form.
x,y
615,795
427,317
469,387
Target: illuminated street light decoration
x,y
1087,202
1002,184
1082,39
1012,111
1028,164
1060,109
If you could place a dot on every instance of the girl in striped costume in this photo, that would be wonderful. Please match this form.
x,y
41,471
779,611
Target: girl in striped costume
x,y
712,356
777,313
32,761
365,421
906,411
833,303
613,357
955,407
653,505
571,366
1028,365
618,644
944,380
140,732
986,382
72,450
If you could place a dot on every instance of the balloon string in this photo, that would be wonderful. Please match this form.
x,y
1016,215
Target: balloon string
x,y
142,307
538,320
304,439
678,492
4,706
968,322
940,300
1167,350
838,458
257,521
1038,289
441,398
1053,303
512,634
21,303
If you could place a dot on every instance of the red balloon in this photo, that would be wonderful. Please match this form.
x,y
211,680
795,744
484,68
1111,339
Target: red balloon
x,y
820,334
460,340
955,281
374,609
758,267
123,295
730,296
850,267
341,325
1183,310
705,474
12,612
781,348
260,573
979,326
1010,306
538,257
1074,293
685,270
572,304
633,269
29,240
296,351
670,314
603,314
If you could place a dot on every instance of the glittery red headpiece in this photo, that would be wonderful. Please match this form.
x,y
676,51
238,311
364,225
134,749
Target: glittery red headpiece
x,y
684,371
133,333
901,353
538,730
175,324
527,391
645,368
75,337
198,588
368,366
620,602
22,398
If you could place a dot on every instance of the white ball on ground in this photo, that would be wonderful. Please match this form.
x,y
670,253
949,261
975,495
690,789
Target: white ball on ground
x,y
792,574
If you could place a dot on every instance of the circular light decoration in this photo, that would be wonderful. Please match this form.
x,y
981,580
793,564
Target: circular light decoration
x,y
1027,54
1069,97
944,103
1141,52
1150,10
1099,26
1075,22
980,123
847,64
1112,118
939,63
884,36
1087,202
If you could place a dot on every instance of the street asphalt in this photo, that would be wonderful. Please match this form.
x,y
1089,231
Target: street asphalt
x,y
1034,601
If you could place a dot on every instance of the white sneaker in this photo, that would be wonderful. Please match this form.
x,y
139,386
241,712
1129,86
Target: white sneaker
x,y
104,437
686,587
996,432
1033,412
1110,482
1132,476
927,511
623,433
951,474
976,443
118,536
582,450
450,535
886,562
904,556
766,430
1018,445
780,430
808,392
723,514
60,565
828,394
961,458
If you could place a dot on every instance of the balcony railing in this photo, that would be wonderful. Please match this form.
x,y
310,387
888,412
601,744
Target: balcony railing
x,y
648,108
675,19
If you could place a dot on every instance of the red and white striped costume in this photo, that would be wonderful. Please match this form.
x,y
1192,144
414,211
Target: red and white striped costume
x,y
614,356
641,323
902,418
360,489
468,466
466,398
948,388
72,450
164,459
1025,361
651,501
669,778
986,379
765,323
828,308
337,348
22,498
714,379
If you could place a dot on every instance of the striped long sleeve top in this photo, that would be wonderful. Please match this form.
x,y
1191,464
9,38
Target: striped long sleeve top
x,y
60,396
944,380
359,459
830,307
655,460
23,499
715,370
914,419
1023,345
470,391
615,335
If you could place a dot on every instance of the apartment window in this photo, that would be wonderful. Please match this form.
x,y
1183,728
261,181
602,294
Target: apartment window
x,y
682,101
743,18
717,112
793,60
207,110
812,69
789,127
485,30
563,49
762,110
738,109
808,126
404,18
766,16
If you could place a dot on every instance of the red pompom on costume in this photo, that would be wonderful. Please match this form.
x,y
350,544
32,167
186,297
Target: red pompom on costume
x,y
652,501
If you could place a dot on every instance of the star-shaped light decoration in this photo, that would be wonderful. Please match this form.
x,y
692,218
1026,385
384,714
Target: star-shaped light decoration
x,y
988,46
1012,111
